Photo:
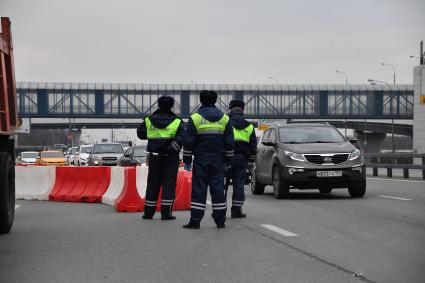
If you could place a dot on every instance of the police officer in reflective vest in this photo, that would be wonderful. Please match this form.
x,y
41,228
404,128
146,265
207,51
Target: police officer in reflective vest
x,y
245,152
164,132
209,139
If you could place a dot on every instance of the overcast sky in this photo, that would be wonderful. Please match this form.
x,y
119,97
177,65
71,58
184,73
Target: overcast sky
x,y
215,41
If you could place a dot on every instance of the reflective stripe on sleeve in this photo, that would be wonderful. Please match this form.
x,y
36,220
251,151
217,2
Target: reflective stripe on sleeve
x,y
175,145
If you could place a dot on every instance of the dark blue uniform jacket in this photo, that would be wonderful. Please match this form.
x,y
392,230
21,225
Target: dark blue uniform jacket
x,y
161,118
211,144
249,149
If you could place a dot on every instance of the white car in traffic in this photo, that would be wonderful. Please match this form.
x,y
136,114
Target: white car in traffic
x,y
82,155
71,155
28,157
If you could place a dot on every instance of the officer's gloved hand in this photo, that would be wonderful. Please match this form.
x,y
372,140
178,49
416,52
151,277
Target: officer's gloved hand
x,y
188,167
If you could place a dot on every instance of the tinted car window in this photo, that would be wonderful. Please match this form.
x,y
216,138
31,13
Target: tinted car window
x,y
29,154
73,151
266,135
108,148
55,154
140,151
310,135
86,149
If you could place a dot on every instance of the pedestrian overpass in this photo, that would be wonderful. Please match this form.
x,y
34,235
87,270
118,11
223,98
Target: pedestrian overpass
x,y
272,101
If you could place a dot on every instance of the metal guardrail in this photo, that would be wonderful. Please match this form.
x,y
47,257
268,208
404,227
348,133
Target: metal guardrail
x,y
375,162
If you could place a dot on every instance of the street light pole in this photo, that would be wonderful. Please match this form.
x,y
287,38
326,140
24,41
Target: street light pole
x,y
345,75
392,66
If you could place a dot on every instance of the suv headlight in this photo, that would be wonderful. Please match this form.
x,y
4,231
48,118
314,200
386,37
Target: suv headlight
x,y
294,156
354,155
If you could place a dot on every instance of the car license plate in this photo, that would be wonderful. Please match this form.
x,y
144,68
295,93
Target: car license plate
x,y
324,174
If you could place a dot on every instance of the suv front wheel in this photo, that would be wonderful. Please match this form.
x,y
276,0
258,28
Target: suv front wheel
x,y
256,187
357,190
280,187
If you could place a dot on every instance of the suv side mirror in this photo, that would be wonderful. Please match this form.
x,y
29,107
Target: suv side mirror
x,y
268,143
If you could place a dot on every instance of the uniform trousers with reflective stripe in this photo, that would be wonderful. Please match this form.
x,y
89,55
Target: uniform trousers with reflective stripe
x,y
208,171
162,173
239,167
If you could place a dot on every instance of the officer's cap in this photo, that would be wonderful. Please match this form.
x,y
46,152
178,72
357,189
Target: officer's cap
x,y
208,97
237,103
166,102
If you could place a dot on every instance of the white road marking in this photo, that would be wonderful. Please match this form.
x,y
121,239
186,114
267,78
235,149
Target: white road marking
x,y
17,206
279,230
209,202
397,180
399,198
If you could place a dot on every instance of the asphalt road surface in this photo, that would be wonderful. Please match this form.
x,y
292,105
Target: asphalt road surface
x,y
308,238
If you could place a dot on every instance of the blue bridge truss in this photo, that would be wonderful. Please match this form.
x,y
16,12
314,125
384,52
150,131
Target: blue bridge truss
x,y
93,100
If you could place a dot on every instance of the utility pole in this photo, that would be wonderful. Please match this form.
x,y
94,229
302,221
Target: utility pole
x,y
392,66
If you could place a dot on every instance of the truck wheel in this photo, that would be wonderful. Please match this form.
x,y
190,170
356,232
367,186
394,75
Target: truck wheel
x,y
358,190
7,193
256,187
325,190
280,187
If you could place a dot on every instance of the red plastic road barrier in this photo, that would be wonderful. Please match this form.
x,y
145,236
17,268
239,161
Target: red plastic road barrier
x,y
183,190
80,184
129,200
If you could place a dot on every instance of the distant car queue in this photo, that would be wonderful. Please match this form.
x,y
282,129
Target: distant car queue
x,y
101,154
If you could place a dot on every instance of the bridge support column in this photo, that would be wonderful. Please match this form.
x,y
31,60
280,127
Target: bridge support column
x,y
370,142
185,103
419,109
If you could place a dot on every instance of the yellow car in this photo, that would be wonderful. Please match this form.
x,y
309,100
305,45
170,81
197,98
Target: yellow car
x,y
51,158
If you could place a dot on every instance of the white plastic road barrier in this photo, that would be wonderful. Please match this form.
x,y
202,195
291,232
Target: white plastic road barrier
x,y
115,186
34,182
142,180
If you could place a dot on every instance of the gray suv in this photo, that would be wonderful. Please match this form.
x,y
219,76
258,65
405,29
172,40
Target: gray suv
x,y
307,156
106,154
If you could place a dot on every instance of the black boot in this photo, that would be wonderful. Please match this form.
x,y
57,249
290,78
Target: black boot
x,y
192,225
149,212
237,213
169,217
166,213
221,226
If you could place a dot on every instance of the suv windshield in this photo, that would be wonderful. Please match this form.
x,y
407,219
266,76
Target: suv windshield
x,y
86,149
310,135
73,151
52,154
29,154
140,151
108,148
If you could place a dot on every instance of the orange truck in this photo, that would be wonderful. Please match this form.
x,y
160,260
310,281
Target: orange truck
x,y
8,124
